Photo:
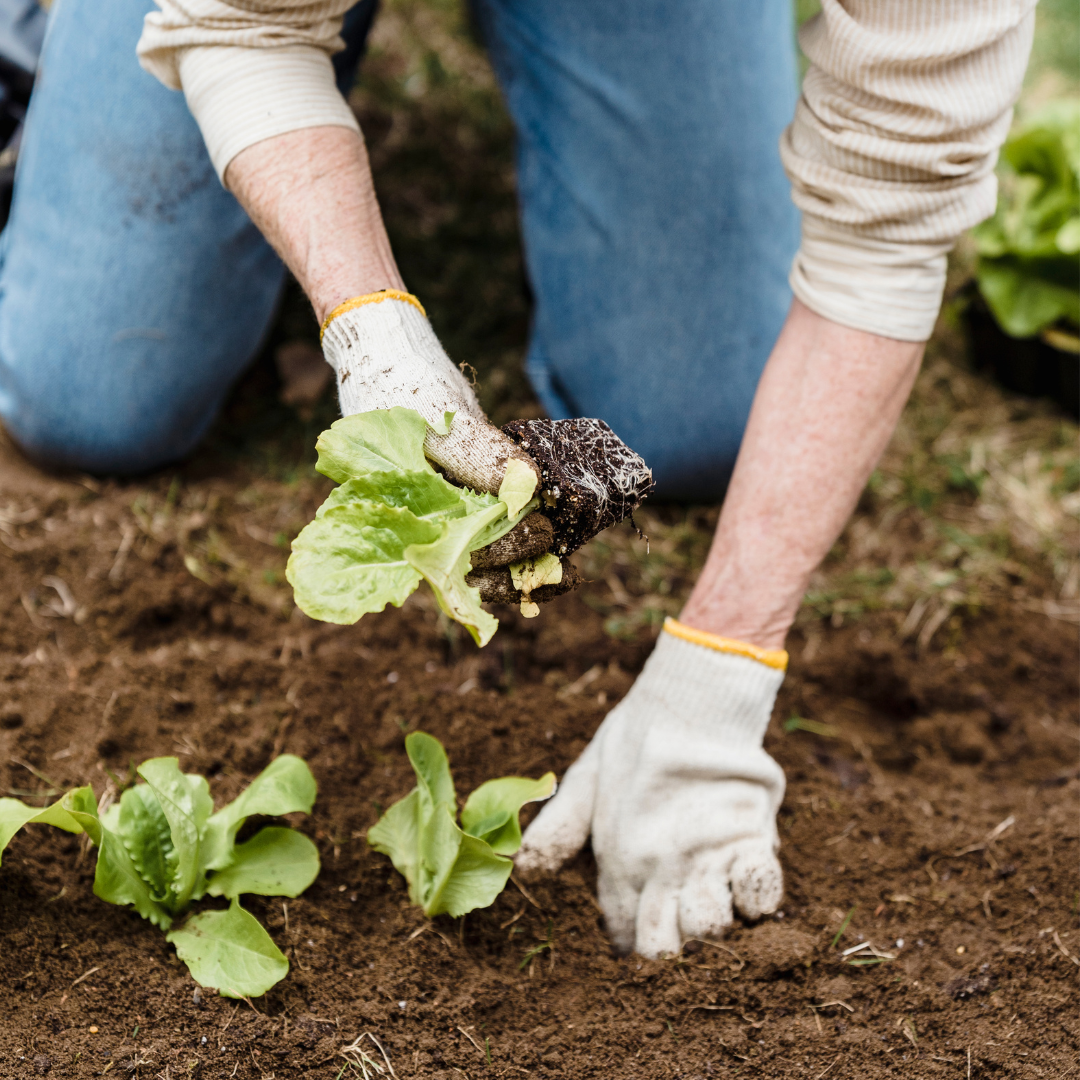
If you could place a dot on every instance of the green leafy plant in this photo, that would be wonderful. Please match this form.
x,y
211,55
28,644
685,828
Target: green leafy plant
x,y
1028,270
394,521
454,869
162,847
535,950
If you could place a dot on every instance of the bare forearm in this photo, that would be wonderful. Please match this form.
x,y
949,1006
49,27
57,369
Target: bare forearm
x,y
311,195
825,408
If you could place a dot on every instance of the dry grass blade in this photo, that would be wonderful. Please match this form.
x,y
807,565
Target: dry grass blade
x,y
524,892
580,684
840,836
709,1008
367,1066
431,930
867,946
828,1004
1065,952
723,948
907,1026
37,772
473,1041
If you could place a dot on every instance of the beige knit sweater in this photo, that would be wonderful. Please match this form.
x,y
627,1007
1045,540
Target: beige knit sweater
x,y
891,152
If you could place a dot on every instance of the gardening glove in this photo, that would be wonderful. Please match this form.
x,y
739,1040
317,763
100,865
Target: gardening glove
x,y
678,794
386,354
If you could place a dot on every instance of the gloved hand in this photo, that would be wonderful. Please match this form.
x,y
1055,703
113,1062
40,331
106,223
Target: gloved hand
x,y
678,794
386,354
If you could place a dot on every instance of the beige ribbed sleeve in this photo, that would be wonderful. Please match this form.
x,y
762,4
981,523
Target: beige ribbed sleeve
x,y
892,150
250,69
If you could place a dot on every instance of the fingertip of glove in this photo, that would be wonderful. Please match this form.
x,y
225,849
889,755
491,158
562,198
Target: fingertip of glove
x,y
530,861
757,882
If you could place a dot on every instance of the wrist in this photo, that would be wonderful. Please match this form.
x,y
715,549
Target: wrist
x,y
311,195
719,643
360,300
716,688
760,616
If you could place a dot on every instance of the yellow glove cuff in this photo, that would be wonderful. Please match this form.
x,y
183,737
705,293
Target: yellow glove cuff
x,y
370,298
774,658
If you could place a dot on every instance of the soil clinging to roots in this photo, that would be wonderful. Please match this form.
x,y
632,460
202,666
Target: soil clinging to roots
x,y
590,478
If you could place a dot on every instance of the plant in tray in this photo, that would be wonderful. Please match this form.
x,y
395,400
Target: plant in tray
x,y
394,520
453,869
1028,270
162,847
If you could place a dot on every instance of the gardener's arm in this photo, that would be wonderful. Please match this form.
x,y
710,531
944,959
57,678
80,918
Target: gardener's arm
x,y
891,156
259,82
311,194
824,410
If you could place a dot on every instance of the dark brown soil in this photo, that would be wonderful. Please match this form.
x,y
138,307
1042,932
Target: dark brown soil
x,y
934,752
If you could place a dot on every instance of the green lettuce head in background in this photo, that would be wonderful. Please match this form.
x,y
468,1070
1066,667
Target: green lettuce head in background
x,y
394,521
1029,251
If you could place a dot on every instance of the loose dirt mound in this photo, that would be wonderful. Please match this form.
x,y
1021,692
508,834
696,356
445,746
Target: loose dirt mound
x,y
943,813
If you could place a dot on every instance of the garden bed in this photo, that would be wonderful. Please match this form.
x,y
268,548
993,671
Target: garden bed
x,y
939,802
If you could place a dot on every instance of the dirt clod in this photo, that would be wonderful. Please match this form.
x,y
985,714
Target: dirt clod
x,y
531,536
967,985
496,586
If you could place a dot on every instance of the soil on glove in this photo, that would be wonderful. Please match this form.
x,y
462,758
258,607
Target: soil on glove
x,y
150,618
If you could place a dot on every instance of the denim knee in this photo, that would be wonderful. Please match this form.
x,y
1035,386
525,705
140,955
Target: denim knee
x,y
134,289
100,433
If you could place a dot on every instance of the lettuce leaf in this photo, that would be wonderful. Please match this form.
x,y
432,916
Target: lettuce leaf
x,y
186,805
15,814
1028,272
285,786
144,830
385,440
394,521
453,869
116,879
230,952
491,811
274,862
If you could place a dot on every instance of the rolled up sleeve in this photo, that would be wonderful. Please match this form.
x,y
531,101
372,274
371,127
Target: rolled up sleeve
x,y
249,69
892,150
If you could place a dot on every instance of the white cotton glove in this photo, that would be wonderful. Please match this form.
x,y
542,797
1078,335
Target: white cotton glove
x,y
678,794
386,354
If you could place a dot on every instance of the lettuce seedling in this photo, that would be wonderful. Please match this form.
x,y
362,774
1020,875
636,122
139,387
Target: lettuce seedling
x,y
394,521
1027,269
162,847
454,869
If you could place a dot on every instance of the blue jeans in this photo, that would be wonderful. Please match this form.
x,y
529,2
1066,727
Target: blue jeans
x,y
657,223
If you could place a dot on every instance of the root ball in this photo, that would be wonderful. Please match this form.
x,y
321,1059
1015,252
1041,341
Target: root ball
x,y
590,478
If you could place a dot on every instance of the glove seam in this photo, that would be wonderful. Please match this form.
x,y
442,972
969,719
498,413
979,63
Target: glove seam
x,y
370,298
773,658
